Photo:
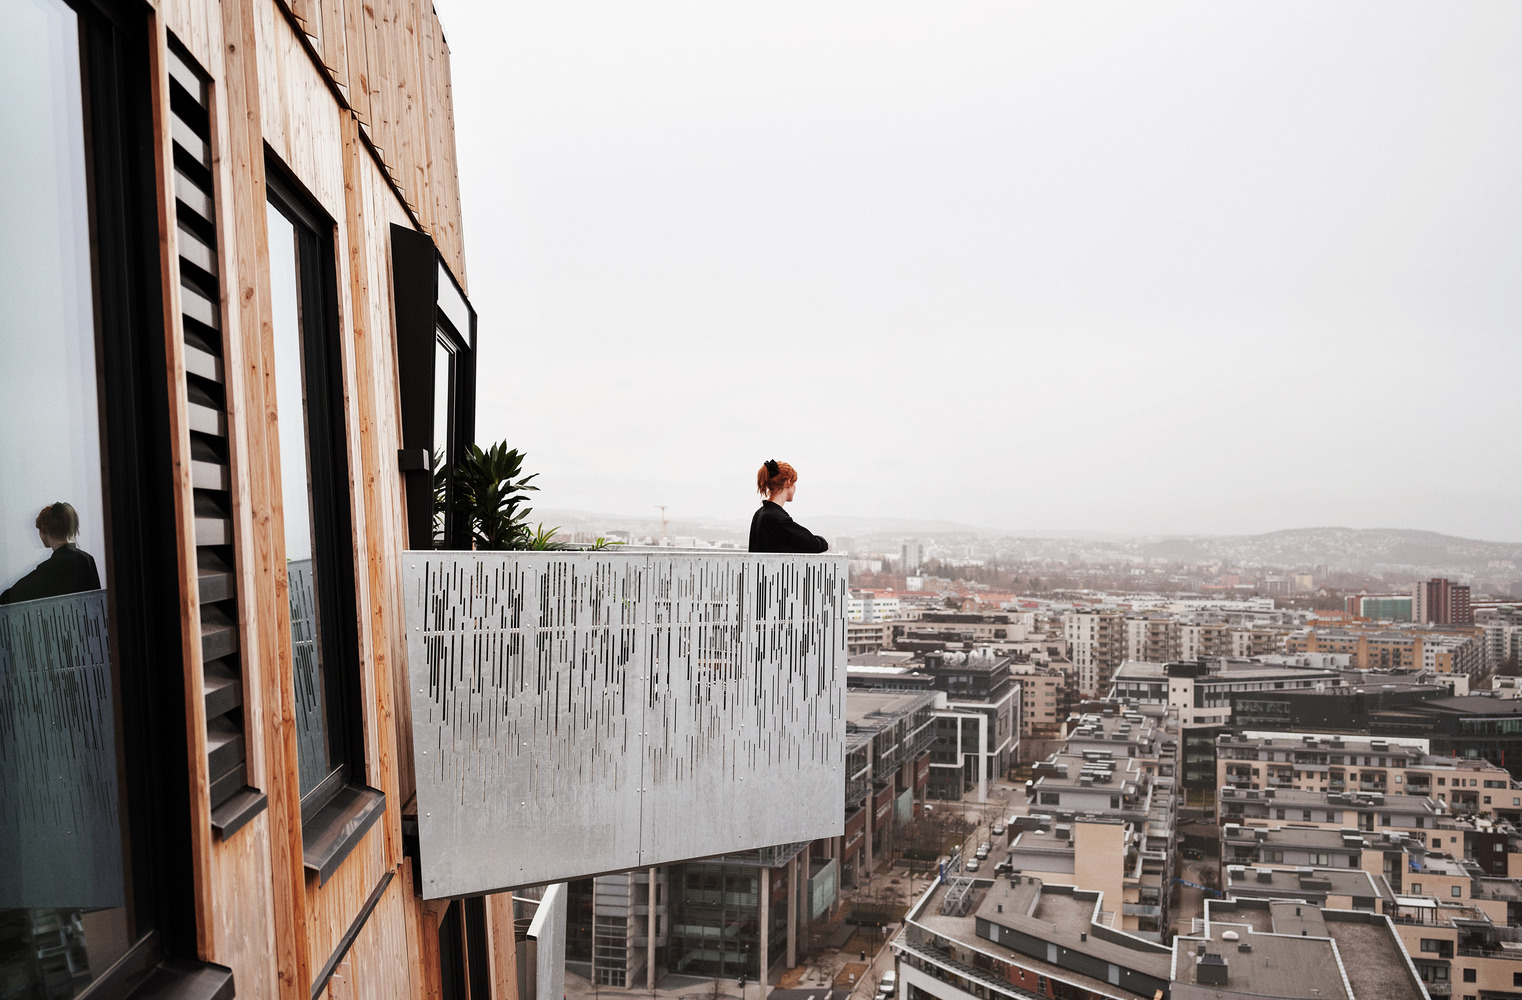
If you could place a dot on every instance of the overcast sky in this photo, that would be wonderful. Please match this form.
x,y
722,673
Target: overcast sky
x,y
1137,268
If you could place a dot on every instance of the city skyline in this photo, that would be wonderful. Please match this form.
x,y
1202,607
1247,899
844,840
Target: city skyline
x,y
1185,269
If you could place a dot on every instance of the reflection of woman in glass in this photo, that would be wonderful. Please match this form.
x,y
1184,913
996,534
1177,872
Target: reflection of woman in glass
x,y
69,570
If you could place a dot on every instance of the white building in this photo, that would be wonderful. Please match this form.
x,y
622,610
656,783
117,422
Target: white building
x,y
872,606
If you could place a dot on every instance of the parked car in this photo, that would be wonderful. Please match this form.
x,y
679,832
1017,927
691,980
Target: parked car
x,y
1003,866
983,850
888,984
998,830
971,865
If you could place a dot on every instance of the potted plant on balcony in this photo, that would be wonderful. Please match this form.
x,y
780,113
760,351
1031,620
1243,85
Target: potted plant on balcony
x,y
490,492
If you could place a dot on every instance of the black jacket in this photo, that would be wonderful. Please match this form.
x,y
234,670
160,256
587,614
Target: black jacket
x,y
771,530
69,570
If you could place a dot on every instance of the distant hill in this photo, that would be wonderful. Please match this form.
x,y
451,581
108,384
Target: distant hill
x,y
1347,548
1352,549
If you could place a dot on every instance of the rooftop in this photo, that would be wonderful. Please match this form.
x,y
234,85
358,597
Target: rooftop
x,y
1288,949
874,709
1053,914
1302,882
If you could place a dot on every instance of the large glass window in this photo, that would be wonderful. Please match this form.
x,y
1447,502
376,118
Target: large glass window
x,y
87,842
313,492
63,883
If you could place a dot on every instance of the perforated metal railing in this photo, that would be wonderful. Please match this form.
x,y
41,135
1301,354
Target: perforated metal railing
x,y
575,713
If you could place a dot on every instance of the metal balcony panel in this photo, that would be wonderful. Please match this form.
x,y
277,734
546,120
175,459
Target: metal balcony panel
x,y
583,712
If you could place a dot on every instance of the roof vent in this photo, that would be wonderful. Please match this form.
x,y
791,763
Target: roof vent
x,y
1230,936
1211,971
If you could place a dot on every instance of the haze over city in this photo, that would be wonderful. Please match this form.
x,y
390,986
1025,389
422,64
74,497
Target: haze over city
x,y
1190,268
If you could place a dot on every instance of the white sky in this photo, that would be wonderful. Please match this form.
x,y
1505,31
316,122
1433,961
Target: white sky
x,y
1182,268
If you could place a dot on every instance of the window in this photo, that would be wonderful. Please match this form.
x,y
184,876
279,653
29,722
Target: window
x,y
96,815
1416,888
1457,891
1331,817
1321,859
314,486
435,344
1305,814
1469,975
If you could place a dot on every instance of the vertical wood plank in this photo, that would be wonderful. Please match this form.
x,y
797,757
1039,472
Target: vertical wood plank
x,y
266,556
370,406
184,504
356,38
335,45
243,898
502,946
444,212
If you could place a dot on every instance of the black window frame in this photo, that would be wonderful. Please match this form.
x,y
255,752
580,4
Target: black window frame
x,y
138,486
340,809
425,294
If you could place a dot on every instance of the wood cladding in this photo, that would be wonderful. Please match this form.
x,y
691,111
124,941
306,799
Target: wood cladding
x,y
353,100
388,63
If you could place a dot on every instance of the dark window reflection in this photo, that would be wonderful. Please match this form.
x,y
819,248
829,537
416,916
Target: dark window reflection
x,y
444,453
314,743
62,882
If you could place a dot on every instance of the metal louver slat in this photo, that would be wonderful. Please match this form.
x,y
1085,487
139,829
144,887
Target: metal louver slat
x,y
232,802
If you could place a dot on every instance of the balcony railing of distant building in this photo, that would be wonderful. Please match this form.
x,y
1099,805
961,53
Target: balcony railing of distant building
x,y
575,713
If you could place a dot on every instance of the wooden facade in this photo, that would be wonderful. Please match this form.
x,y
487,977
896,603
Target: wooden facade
x,y
350,104
353,99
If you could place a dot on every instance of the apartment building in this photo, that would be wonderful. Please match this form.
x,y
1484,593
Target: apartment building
x,y
1096,646
1458,925
1292,948
1381,607
992,629
1378,647
1152,638
1020,937
1248,760
1440,601
1045,697
868,636
1103,813
873,606
1200,692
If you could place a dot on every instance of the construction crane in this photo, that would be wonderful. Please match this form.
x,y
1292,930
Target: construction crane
x,y
662,508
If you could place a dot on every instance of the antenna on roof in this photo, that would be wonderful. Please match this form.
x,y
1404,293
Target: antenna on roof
x,y
662,508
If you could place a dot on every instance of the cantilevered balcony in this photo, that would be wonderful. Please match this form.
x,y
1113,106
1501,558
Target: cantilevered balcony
x,y
575,713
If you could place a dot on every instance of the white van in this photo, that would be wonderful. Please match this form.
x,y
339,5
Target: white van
x,y
887,985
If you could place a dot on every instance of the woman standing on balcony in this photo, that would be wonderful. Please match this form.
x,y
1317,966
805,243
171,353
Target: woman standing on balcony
x,y
771,530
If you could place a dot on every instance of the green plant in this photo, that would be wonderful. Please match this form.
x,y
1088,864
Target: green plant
x,y
542,540
490,491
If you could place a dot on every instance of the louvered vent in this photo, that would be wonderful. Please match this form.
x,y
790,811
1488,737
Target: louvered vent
x,y
233,802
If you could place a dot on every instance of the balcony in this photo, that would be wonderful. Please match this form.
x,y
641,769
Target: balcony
x,y
575,713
